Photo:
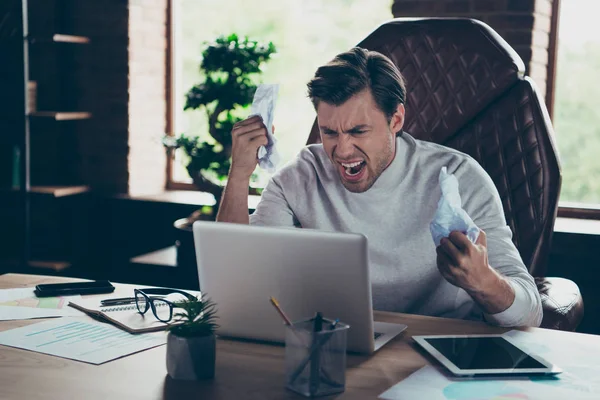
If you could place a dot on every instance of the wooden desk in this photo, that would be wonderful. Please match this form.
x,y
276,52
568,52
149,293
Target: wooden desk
x,y
244,370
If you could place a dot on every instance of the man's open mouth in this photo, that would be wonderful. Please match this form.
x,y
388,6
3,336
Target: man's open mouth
x,y
353,169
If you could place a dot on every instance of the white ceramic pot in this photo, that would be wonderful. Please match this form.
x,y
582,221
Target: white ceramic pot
x,y
191,358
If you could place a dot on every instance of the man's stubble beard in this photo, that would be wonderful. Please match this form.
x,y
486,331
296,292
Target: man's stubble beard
x,y
382,164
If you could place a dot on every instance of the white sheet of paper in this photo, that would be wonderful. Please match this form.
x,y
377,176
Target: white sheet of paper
x,y
263,104
579,362
580,379
80,339
14,294
22,303
431,384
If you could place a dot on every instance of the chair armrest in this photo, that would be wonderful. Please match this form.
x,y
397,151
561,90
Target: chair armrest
x,y
562,303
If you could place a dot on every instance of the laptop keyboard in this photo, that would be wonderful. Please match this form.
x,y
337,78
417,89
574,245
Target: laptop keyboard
x,y
376,335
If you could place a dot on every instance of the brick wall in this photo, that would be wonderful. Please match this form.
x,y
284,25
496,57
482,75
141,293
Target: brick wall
x,y
147,94
524,24
121,79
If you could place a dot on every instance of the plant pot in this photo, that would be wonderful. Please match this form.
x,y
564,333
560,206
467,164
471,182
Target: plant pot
x,y
191,358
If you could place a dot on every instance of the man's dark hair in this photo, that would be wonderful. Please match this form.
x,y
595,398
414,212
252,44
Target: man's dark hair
x,y
353,71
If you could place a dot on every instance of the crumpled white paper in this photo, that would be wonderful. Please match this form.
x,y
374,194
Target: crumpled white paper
x,y
449,215
263,104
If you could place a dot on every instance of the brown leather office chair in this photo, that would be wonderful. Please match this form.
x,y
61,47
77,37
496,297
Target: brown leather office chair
x,y
466,89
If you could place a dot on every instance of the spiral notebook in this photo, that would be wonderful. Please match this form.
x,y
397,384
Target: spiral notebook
x,y
125,316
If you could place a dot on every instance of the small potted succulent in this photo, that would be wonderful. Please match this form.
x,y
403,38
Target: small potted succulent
x,y
191,343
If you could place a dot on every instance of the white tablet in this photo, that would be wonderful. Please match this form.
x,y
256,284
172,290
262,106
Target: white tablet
x,y
470,355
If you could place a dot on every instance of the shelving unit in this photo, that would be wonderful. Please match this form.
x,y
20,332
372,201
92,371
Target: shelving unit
x,y
60,38
53,265
55,191
61,116
56,266
22,196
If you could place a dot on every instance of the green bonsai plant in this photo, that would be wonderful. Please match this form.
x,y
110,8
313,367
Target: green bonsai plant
x,y
191,343
230,65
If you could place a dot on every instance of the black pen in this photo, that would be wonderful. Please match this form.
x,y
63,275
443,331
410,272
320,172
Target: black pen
x,y
334,323
117,303
122,300
315,360
117,299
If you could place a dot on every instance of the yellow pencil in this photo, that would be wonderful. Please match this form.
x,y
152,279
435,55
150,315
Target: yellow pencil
x,y
280,311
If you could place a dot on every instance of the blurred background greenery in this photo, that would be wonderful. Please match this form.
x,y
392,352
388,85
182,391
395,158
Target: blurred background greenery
x,y
308,33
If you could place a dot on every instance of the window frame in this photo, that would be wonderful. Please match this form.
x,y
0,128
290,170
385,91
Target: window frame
x,y
170,183
565,209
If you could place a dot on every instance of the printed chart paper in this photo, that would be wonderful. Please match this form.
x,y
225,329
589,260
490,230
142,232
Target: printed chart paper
x,y
22,303
80,339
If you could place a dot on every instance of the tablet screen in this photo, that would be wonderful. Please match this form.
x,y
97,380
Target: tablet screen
x,y
483,353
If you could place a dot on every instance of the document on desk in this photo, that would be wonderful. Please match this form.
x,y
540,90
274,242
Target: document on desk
x,y
80,339
579,361
580,378
22,303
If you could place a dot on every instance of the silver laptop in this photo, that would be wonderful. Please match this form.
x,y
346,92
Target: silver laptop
x,y
240,267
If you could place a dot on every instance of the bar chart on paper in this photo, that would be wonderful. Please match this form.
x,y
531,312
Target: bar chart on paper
x,y
80,339
22,303
33,302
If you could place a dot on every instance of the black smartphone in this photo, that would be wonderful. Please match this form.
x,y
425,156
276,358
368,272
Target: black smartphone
x,y
67,289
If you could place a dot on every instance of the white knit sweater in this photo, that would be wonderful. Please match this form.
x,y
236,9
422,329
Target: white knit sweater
x,y
394,215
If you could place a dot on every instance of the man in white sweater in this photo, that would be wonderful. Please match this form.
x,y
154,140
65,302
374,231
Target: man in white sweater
x,y
369,177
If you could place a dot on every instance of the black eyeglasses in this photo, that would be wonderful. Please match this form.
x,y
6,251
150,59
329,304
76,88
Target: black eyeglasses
x,y
161,308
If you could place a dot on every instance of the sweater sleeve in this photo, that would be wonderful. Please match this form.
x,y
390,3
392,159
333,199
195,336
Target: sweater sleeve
x,y
482,202
278,205
273,209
